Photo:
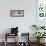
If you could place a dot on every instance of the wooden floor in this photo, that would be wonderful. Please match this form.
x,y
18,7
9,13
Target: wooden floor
x,y
13,44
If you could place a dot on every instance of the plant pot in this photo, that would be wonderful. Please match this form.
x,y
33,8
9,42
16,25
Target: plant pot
x,y
38,40
42,40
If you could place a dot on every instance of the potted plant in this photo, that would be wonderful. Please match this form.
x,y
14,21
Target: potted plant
x,y
39,35
42,27
35,26
38,27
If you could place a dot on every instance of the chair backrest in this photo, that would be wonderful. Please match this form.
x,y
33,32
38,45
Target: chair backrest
x,y
14,30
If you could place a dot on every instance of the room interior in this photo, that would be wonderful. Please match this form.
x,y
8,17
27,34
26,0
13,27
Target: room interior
x,y
22,22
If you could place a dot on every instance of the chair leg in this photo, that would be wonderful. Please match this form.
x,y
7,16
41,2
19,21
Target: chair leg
x,y
5,43
17,39
5,40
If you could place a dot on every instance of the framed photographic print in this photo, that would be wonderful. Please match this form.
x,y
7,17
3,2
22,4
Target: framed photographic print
x,y
41,12
41,8
17,13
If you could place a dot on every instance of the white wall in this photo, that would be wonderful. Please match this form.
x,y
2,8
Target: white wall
x,y
24,23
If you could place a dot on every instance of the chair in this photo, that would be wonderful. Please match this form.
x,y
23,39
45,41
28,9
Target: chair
x,y
25,36
14,32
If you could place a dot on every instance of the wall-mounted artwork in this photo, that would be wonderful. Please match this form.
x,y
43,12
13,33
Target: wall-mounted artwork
x,y
41,12
17,13
41,8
